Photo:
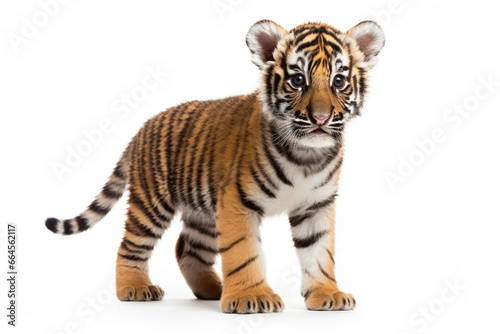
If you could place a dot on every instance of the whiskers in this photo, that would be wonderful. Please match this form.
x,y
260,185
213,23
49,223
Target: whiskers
x,y
288,131
337,126
284,134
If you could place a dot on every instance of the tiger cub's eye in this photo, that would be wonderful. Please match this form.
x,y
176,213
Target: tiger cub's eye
x,y
298,81
339,81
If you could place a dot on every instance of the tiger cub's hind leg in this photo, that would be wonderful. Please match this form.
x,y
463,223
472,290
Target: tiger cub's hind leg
x,y
143,228
196,250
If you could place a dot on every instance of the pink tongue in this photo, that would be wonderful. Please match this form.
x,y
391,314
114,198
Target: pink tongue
x,y
318,131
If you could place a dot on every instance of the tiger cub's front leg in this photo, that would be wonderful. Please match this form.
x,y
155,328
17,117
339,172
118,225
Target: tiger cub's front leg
x,y
313,237
244,288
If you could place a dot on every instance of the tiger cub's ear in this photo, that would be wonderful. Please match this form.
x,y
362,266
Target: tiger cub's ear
x,y
262,40
370,40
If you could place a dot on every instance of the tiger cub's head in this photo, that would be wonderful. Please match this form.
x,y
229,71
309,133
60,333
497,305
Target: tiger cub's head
x,y
313,77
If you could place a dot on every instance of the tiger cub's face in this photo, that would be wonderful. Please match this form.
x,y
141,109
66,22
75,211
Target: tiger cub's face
x,y
313,77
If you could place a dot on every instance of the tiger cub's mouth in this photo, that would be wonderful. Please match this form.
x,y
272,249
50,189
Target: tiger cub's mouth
x,y
319,131
335,127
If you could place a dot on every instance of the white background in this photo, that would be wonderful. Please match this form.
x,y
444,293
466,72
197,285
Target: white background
x,y
398,248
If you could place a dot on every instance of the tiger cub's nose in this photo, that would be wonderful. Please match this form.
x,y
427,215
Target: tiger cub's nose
x,y
321,119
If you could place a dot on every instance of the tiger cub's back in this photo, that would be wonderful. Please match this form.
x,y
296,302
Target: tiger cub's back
x,y
181,156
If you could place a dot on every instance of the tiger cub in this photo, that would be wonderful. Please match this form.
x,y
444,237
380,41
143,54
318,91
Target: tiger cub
x,y
226,164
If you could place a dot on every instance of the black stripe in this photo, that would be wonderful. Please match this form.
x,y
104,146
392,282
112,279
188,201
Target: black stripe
x,y
303,46
166,207
184,185
269,89
361,81
111,193
277,101
283,64
199,174
335,47
67,227
248,203
157,167
302,29
143,228
331,256
225,249
355,84
119,173
285,150
348,90
304,243
172,157
333,35
145,247
316,61
330,175
307,294
296,220
356,92
201,228
198,245
157,158
254,285
168,152
210,178
277,80
146,178
350,61
261,184
133,258
97,208
276,167
124,246
83,223
234,271
178,168
323,203
198,167
301,36
281,147
129,229
327,275
211,159
197,257
263,172
329,157
140,205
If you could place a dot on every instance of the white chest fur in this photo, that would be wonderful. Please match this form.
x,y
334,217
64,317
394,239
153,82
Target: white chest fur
x,y
306,190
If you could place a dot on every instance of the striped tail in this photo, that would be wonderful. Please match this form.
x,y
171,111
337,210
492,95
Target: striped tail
x,y
102,204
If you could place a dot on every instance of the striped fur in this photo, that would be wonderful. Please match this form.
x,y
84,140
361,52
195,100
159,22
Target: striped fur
x,y
225,164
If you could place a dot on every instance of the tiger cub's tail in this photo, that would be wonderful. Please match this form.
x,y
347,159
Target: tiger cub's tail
x,y
102,204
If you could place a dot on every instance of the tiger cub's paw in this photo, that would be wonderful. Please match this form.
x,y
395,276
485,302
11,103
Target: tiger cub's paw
x,y
252,301
321,300
141,293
